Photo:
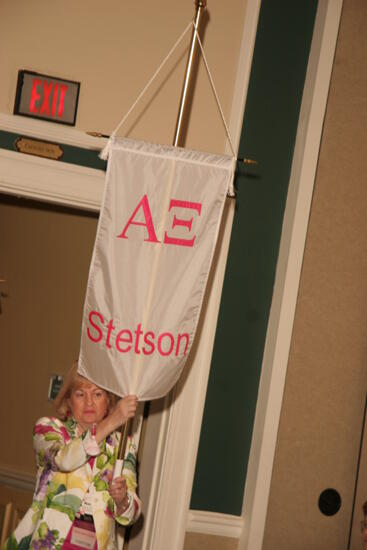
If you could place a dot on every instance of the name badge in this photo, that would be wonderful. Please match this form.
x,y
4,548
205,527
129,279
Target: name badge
x,y
83,537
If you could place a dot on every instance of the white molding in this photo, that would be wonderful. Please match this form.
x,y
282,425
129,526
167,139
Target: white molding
x,y
49,180
212,523
49,131
288,274
17,480
156,478
166,521
184,424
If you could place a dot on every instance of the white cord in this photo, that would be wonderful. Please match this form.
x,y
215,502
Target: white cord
x,y
214,90
105,152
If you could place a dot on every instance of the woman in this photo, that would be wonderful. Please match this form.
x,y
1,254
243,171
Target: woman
x,y
76,502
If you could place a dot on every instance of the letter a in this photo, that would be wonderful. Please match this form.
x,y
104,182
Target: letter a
x,y
144,204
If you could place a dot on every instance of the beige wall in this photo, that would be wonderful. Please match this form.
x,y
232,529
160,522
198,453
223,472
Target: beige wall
x,y
113,48
322,413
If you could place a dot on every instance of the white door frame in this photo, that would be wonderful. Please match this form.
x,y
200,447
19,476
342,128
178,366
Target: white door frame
x,y
288,274
47,180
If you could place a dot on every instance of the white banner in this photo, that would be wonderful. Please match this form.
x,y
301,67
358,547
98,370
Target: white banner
x,y
155,241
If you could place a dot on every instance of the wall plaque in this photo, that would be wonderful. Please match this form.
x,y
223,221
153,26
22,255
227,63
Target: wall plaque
x,y
45,149
46,97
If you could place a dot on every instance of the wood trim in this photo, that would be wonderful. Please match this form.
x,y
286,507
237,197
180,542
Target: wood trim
x,y
288,274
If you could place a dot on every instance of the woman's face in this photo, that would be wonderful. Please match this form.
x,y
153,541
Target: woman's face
x,y
88,404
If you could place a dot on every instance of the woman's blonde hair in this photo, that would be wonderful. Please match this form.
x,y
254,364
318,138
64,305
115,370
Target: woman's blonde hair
x,y
72,381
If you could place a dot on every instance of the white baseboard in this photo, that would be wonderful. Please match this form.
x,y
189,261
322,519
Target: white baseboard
x,y
212,523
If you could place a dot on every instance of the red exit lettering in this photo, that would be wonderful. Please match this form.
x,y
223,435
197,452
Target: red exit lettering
x,y
144,207
47,98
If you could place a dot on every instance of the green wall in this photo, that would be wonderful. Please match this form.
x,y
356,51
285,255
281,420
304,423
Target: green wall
x,y
268,135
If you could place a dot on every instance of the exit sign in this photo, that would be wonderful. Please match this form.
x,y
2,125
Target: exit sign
x,y
46,97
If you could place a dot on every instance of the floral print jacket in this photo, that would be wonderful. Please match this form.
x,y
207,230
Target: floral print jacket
x,y
69,469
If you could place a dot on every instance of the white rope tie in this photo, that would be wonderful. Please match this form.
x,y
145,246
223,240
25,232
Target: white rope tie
x,y
214,90
105,152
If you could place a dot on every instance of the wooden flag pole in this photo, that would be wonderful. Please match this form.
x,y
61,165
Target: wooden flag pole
x,y
200,6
